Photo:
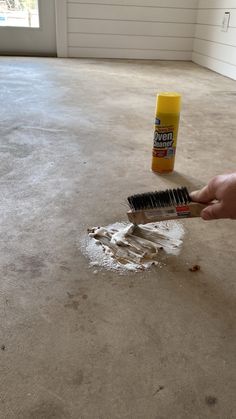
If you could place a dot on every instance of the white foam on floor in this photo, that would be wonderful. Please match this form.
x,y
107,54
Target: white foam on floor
x,y
123,247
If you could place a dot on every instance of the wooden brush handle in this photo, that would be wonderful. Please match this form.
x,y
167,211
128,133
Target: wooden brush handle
x,y
196,208
193,209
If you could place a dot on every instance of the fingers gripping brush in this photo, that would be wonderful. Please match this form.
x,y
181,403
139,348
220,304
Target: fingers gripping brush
x,y
171,204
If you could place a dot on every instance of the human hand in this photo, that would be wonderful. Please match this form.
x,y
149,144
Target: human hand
x,y
223,189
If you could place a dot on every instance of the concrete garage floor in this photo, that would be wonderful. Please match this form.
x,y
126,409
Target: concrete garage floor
x,y
76,139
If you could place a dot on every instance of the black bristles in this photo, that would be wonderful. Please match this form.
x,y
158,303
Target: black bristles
x,y
159,199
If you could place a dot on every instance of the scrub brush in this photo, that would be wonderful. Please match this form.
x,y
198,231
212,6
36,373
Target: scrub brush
x,y
157,206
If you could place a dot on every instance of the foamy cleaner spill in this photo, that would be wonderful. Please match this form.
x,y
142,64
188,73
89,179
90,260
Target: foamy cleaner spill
x,y
125,247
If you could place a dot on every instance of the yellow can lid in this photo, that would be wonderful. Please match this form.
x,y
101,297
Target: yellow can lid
x,y
168,102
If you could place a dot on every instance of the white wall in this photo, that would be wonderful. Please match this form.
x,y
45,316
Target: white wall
x,y
146,29
214,48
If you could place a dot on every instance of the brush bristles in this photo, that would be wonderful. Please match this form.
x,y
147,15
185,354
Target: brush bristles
x,y
152,200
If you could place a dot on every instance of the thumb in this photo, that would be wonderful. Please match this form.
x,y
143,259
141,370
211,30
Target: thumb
x,y
213,212
205,194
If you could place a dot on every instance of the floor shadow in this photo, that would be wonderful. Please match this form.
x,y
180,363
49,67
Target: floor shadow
x,y
179,179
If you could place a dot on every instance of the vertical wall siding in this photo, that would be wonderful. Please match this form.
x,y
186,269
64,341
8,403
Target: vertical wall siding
x,y
145,29
214,48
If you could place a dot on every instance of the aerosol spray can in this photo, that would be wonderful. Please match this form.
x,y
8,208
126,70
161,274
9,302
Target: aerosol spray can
x,y
168,107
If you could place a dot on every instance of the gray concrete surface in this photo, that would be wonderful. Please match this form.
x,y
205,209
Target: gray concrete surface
x,y
76,138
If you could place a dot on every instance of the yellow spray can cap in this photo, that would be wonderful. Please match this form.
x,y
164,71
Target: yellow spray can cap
x,y
168,102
